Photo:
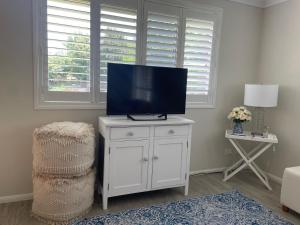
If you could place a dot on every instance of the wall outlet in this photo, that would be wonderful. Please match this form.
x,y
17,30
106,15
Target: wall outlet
x,y
228,151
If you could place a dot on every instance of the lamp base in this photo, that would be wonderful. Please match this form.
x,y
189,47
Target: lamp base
x,y
258,121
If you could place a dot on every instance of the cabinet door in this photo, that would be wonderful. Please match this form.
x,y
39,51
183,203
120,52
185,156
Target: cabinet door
x,y
128,167
169,162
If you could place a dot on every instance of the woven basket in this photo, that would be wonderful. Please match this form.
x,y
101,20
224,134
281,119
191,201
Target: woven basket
x,y
61,200
63,149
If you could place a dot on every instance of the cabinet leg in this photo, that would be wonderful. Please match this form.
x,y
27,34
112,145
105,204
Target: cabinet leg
x,y
186,190
104,202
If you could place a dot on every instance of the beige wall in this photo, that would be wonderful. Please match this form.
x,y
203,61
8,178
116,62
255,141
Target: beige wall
x,y
238,64
280,64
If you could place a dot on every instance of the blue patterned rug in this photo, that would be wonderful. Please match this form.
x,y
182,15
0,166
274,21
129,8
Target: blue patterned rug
x,y
221,209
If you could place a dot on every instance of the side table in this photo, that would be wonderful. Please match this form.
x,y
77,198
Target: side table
x,y
263,144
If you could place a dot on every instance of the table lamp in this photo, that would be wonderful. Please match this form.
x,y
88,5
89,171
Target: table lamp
x,y
260,96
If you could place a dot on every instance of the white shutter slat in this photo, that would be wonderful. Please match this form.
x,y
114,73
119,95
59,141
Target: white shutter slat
x,y
193,36
197,76
203,32
161,64
129,28
195,61
68,45
162,59
63,51
162,38
78,6
68,30
157,24
107,10
111,48
158,52
117,38
63,36
108,60
76,44
190,48
114,54
107,17
199,42
161,18
198,24
55,11
197,55
114,34
161,46
66,18
162,32
189,54
56,32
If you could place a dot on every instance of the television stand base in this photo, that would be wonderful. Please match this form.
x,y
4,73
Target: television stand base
x,y
148,117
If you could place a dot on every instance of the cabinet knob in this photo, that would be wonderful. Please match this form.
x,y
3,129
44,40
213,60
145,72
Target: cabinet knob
x,y
171,132
155,157
130,134
145,159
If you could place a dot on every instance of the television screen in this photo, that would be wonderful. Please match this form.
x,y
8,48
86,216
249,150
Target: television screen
x,y
138,90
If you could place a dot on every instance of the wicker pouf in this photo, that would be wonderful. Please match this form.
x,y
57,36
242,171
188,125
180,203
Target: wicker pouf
x,y
60,200
63,179
63,148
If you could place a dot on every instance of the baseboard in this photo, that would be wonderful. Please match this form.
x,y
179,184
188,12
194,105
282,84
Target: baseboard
x,y
272,177
15,198
214,170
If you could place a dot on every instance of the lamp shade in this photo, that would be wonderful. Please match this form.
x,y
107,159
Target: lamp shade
x,y
258,95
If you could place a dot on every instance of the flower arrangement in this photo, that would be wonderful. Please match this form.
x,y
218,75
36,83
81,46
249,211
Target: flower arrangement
x,y
240,114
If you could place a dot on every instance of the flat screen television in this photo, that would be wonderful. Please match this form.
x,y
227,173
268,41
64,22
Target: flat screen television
x,y
144,90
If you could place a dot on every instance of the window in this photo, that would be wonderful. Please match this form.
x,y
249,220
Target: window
x,y
75,39
181,37
162,37
117,39
68,42
197,55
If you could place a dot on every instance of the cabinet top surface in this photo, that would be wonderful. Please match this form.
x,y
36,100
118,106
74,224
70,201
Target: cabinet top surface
x,y
123,121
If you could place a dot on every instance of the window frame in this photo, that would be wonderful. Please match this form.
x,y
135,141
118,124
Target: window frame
x,y
206,101
117,4
94,100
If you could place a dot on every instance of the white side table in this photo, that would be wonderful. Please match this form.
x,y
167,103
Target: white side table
x,y
263,144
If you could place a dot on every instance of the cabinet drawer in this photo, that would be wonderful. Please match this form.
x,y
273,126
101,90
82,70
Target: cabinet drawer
x,y
168,131
129,132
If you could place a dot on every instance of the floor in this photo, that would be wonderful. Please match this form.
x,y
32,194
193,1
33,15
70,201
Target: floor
x,y
246,182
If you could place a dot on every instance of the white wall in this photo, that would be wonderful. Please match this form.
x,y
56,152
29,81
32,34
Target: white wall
x,y
238,64
280,64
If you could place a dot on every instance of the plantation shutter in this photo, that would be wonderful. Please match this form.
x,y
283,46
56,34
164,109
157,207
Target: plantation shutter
x,y
197,55
75,39
68,46
161,34
162,38
117,38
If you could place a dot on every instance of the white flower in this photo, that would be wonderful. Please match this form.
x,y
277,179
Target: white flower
x,y
240,113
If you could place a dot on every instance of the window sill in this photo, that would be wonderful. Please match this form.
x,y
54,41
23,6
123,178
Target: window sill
x,y
195,105
68,105
102,105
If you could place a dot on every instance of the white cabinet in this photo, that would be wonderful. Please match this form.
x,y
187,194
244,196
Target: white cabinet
x,y
169,162
137,156
128,167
